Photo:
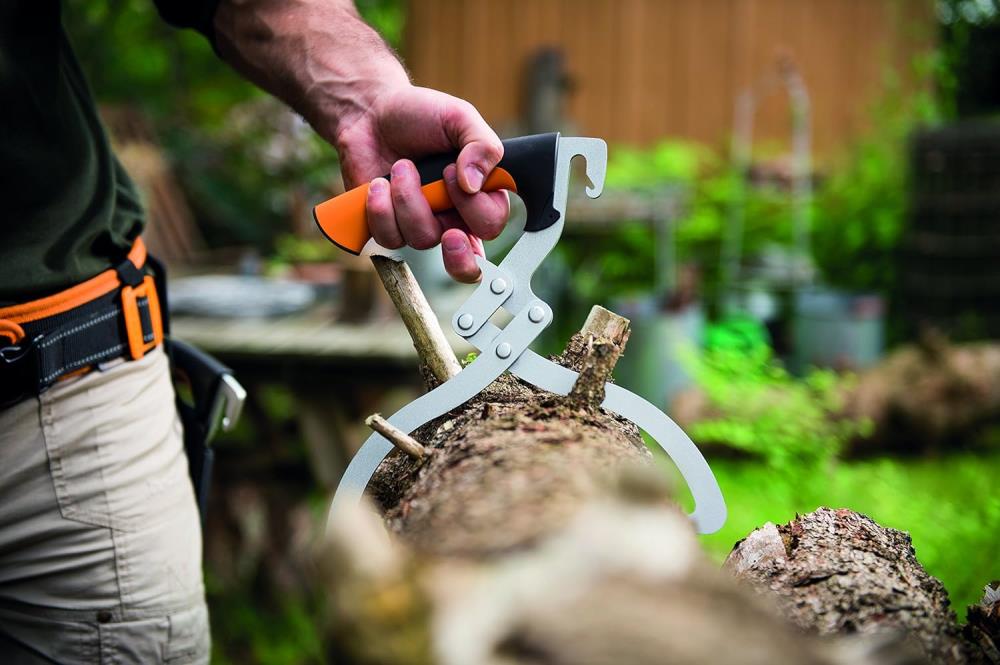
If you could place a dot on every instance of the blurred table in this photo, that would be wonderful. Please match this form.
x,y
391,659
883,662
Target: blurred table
x,y
338,373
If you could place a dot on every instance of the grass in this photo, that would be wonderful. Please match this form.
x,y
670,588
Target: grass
x,y
950,506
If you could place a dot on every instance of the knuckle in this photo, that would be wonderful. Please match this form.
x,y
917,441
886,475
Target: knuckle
x,y
459,112
423,241
491,229
378,208
420,234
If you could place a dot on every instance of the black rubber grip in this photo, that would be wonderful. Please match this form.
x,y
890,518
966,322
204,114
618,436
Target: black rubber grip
x,y
530,160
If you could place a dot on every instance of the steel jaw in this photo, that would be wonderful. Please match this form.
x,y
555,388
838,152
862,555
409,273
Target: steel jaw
x,y
508,285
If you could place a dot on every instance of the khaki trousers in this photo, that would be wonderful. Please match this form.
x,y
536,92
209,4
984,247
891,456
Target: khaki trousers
x,y
100,541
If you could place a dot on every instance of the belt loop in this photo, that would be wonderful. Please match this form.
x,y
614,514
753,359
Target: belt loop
x,y
11,331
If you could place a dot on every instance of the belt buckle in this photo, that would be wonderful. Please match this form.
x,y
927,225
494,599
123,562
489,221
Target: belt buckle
x,y
18,372
133,299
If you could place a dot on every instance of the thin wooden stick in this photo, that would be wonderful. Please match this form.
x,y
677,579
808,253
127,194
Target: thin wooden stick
x,y
396,436
428,338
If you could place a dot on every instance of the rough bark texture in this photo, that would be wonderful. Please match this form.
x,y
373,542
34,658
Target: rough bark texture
x,y
982,631
602,339
512,464
837,572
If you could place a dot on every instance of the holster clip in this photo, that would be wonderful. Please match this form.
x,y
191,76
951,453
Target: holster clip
x,y
18,371
141,309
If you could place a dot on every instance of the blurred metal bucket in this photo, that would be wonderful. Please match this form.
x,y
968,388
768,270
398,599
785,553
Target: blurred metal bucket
x,y
837,329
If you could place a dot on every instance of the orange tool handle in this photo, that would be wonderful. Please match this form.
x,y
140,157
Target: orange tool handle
x,y
343,218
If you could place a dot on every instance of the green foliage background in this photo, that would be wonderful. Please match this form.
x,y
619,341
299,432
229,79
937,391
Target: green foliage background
x,y
242,159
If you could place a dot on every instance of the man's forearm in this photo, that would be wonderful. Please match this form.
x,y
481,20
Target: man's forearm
x,y
316,55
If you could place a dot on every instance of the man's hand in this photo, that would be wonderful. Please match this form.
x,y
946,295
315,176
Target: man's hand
x,y
321,58
411,121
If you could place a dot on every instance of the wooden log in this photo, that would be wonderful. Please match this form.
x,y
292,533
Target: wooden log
x,y
836,572
621,581
512,456
540,532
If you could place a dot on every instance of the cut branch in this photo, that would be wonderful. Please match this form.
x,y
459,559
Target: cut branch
x,y
428,338
396,436
602,340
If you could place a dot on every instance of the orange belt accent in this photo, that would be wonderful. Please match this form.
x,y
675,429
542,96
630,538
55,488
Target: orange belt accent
x,y
84,292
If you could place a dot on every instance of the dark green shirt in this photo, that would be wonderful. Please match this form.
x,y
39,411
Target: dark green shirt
x,y
68,210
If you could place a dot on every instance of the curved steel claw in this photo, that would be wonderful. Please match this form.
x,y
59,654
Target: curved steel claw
x,y
595,152
508,285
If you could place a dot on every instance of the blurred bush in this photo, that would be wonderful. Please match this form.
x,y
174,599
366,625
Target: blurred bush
x,y
857,213
793,424
250,167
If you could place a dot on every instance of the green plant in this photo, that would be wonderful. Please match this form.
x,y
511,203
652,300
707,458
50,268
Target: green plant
x,y
625,261
793,424
667,162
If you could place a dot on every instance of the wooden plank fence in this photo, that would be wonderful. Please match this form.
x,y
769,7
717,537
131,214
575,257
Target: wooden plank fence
x,y
646,69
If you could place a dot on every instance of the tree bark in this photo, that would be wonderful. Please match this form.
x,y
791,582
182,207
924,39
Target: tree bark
x,y
836,572
514,462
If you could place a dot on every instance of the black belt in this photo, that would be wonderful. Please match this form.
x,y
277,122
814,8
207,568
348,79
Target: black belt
x,y
125,322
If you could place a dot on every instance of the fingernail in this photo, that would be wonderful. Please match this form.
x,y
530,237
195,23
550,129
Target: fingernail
x,y
398,169
454,242
475,178
377,186
450,173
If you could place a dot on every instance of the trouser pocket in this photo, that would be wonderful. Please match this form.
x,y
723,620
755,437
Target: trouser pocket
x,y
114,442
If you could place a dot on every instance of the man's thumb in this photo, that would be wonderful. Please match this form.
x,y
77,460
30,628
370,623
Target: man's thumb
x,y
476,160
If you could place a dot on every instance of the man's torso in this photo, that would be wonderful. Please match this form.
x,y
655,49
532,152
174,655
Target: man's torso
x,y
67,208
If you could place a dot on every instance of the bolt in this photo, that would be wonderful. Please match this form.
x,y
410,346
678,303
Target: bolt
x,y
465,321
503,350
498,285
536,314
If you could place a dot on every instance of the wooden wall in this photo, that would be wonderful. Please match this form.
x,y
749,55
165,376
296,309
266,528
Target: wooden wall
x,y
647,69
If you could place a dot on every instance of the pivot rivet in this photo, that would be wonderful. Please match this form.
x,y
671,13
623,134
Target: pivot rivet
x,y
465,321
536,314
503,350
498,285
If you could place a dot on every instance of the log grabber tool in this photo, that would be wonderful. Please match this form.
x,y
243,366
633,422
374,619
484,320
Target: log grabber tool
x,y
537,169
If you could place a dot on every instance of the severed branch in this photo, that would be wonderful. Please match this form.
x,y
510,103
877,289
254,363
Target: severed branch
x,y
428,338
396,436
601,342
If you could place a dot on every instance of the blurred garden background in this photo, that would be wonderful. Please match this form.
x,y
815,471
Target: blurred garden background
x,y
802,221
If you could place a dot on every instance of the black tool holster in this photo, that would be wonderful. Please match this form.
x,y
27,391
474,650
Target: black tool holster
x,y
208,398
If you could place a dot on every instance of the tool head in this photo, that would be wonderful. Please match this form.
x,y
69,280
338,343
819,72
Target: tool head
x,y
595,153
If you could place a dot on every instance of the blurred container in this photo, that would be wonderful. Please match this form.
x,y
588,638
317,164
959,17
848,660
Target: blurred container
x,y
837,329
651,366
948,267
